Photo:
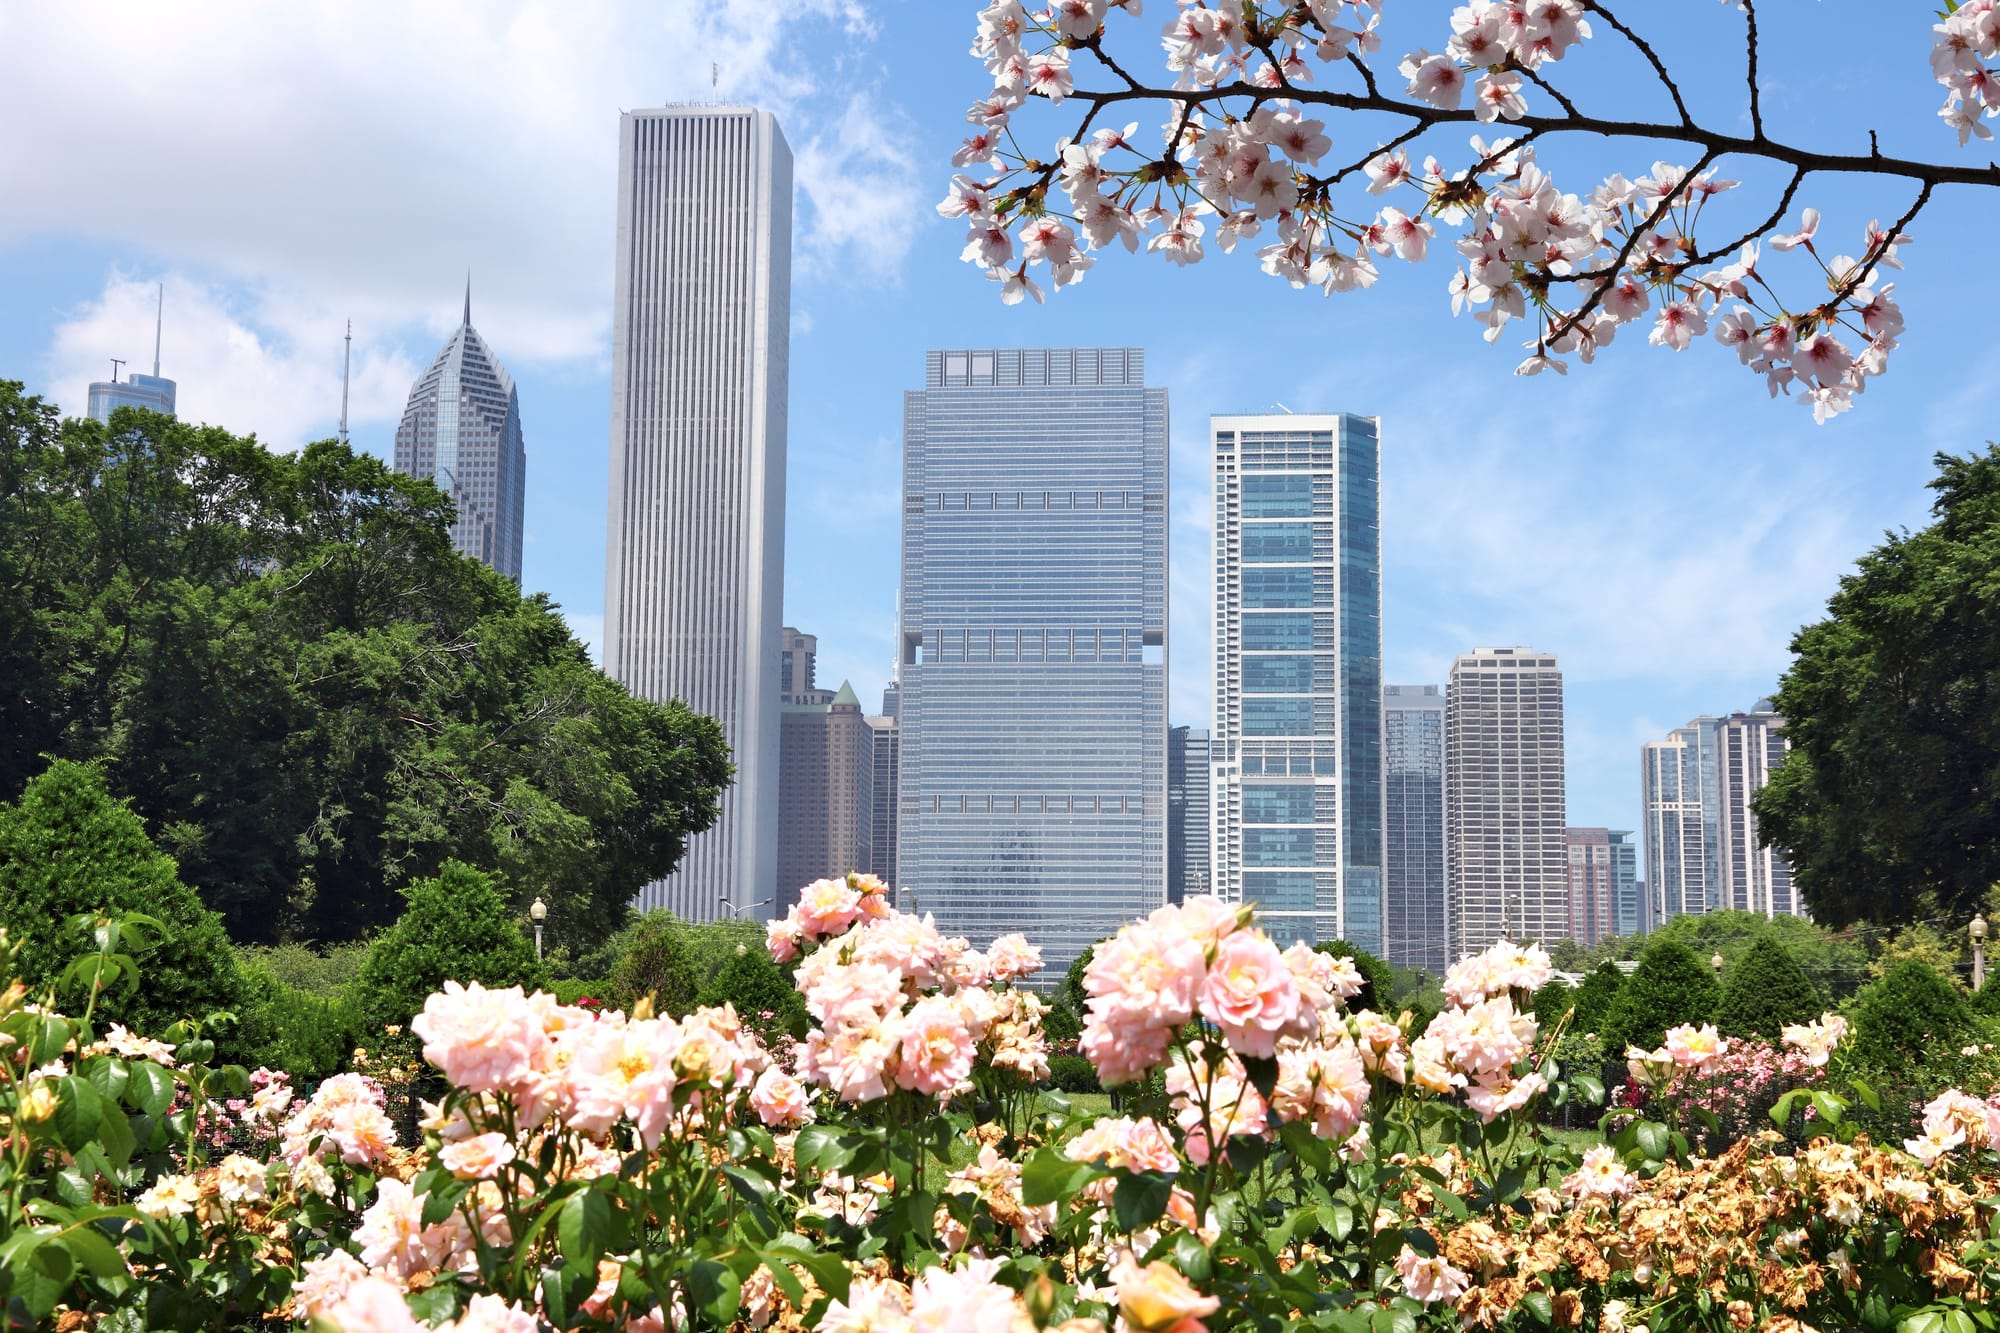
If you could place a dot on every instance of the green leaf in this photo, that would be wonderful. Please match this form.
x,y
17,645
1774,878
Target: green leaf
x,y
79,1110
1449,1201
787,1281
715,1290
40,1274
1049,1176
1831,1109
823,1146
1867,1095
1652,1140
1192,1258
1589,1087
108,1074
90,1250
1337,1219
1781,1110
1537,1304
151,1089
1140,1198
583,1228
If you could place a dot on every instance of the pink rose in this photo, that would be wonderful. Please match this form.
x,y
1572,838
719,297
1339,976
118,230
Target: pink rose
x,y
1250,994
780,1100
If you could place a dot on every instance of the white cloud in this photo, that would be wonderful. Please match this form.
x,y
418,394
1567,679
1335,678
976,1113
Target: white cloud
x,y
357,159
254,367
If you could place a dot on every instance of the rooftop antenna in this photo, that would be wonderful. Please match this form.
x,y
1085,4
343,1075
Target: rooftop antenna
x,y
346,365
1282,408
115,363
714,75
159,318
468,298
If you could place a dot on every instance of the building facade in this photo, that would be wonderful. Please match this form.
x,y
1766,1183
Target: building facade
x,y
1187,812
1297,749
694,553
148,392
1506,854
1413,878
1753,878
461,429
798,655
1603,884
1678,809
826,793
1032,686
887,748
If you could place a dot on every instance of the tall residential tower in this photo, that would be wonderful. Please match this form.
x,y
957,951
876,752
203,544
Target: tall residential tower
x,y
695,552
1752,877
1297,747
1505,807
1034,615
1413,827
1678,809
462,429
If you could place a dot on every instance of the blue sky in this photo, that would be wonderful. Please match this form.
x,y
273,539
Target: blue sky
x,y
1653,519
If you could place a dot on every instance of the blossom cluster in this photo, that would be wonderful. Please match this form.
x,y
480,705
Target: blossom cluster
x,y
1954,1119
1966,59
1482,1043
1626,249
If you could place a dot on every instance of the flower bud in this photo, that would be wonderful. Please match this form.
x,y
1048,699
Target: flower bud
x,y
38,1103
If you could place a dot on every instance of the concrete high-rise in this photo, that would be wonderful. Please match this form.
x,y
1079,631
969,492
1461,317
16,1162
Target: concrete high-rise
x,y
887,748
1678,812
1188,812
1034,616
694,554
1506,853
1603,884
1413,879
826,792
1753,878
1297,747
461,428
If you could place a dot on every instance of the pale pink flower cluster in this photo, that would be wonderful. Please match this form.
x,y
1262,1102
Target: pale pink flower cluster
x,y
1697,1049
826,908
1431,1278
1126,1144
1503,969
345,1117
1964,60
1600,1176
1817,1040
347,1297
1480,1042
1955,1119
898,1005
117,1040
960,1298
1492,38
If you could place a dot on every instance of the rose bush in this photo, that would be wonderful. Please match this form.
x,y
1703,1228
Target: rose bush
x,y
1277,1158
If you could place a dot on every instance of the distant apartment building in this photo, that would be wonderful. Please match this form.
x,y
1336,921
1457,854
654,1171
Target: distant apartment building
x,y
695,542
461,429
1297,745
1751,878
1678,818
798,655
887,749
1603,884
1187,813
1033,786
1507,853
826,793
1413,840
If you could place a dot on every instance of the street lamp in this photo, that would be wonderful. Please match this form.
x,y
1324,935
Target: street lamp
x,y
538,913
1716,962
737,911
1978,931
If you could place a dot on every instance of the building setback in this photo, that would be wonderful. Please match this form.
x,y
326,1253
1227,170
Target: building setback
x,y
1678,809
1187,813
826,793
1506,852
1413,886
461,429
1603,884
694,555
1752,878
1033,674
1297,750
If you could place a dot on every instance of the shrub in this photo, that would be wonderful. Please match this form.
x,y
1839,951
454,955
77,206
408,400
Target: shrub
x,y
1556,998
325,972
68,847
1073,1073
309,1036
1594,999
1766,990
1377,987
1908,1016
1670,987
762,994
653,959
456,927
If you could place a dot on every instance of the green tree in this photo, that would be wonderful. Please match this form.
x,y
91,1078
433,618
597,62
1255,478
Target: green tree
x,y
653,959
307,693
1909,1016
68,848
1556,998
457,927
1921,942
760,990
1378,988
1886,804
1765,991
1594,999
1837,963
1671,986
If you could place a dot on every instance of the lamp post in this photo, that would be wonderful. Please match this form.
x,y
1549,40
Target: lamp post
x,y
1715,961
1978,931
538,913
736,911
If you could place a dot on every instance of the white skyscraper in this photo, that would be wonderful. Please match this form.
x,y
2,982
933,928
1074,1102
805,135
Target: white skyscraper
x,y
1297,744
1507,858
694,555
1752,878
1678,803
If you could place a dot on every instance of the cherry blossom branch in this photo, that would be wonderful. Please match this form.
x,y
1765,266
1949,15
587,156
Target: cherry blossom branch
x,y
1645,49
1756,106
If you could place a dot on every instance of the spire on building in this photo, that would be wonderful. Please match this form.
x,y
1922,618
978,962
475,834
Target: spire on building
x,y
468,298
159,321
346,367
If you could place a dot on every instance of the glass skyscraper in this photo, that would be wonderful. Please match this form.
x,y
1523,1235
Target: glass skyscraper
x,y
1413,827
1032,788
695,542
1754,877
1297,748
1188,858
462,429
1680,809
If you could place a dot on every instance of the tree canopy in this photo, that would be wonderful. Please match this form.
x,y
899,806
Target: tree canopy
x,y
1765,991
311,697
1888,804
1671,986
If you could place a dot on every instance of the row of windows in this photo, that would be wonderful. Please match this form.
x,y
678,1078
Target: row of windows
x,y
975,500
